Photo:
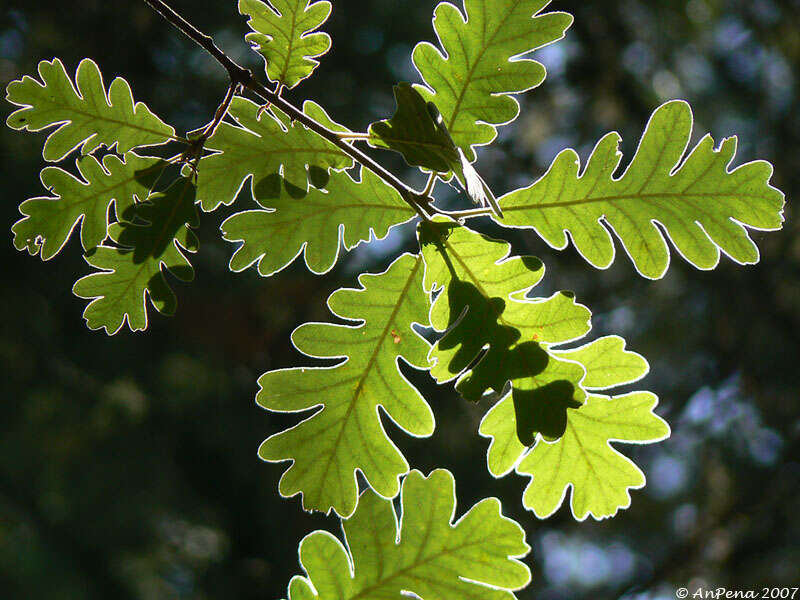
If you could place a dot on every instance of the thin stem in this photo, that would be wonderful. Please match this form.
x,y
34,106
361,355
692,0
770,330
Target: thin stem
x,y
463,214
354,136
429,186
220,113
240,75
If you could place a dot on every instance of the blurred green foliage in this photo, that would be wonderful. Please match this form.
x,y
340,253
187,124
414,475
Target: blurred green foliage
x,y
128,465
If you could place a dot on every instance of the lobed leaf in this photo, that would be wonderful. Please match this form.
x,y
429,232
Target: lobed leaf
x,y
478,65
582,457
85,116
131,272
345,433
475,558
284,34
346,211
49,221
413,133
494,334
700,204
260,147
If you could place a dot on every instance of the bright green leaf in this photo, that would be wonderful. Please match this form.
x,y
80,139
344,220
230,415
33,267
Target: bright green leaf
x,y
483,306
132,272
261,147
345,433
582,458
424,552
284,34
346,210
477,67
48,221
701,205
85,117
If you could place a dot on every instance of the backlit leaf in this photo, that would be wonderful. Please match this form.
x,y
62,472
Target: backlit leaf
x,y
699,202
131,272
284,34
424,552
85,116
478,65
345,432
582,457
48,221
260,147
346,210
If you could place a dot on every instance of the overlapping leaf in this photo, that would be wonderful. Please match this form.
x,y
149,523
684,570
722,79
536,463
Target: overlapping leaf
x,y
478,64
345,433
48,221
582,458
131,272
284,34
413,133
702,205
346,211
261,146
85,117
428,555
494,334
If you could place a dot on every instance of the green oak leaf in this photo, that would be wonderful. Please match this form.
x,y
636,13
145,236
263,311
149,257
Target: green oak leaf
x,y
699,203
423,553
471,76
261,146
413,133
85,117
494,333
582,458
345,211
49,221
131,272
346,433
284,34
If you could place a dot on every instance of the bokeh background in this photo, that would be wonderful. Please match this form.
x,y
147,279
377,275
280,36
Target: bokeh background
x,y
128,464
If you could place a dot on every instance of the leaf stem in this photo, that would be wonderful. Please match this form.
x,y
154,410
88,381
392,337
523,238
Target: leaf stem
x,y
244,77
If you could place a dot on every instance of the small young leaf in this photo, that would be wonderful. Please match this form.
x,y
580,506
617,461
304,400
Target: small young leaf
x,y
283,33
582,458
261,147
132,272
475,558
477,67
346,210
85,117
49,221
702,206
346,434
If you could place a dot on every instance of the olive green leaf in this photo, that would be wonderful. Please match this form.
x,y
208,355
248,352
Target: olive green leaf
x,y
582,458
284,34
345,211
495,334
697,201
412,132
131,271
85,116
48,221
423,552
479,64
346,433
259,147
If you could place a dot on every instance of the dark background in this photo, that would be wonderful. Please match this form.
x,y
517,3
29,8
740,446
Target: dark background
x,y
128,464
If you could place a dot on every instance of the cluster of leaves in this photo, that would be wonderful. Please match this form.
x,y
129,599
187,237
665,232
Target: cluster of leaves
x,y
554,417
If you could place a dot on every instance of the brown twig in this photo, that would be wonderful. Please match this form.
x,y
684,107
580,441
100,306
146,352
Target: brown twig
x,y
244,77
